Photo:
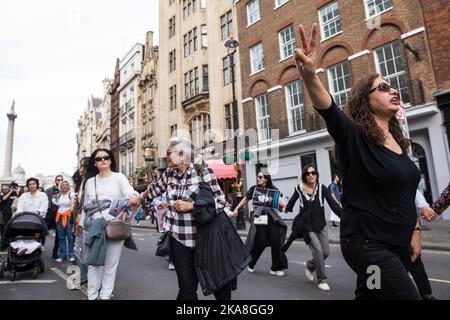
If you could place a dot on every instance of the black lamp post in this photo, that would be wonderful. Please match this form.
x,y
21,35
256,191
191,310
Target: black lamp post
x,y
232,43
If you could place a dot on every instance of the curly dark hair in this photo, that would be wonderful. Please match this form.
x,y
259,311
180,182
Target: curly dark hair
x,y
359,111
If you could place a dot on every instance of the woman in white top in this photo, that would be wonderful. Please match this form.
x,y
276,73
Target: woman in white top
x,y
33,201
64,223
103,181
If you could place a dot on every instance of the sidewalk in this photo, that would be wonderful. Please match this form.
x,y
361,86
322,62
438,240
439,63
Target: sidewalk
x,y
435,234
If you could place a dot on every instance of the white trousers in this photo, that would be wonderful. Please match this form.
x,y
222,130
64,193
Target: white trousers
x,y
102,278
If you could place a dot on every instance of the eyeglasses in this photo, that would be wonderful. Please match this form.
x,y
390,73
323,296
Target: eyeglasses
x,y
311,173
106,158
260,177
384,87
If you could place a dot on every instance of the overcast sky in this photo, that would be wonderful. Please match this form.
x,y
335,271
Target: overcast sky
x,y
54,54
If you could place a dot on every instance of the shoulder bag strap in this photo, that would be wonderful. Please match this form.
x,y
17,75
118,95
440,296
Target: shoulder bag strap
x,y
96,195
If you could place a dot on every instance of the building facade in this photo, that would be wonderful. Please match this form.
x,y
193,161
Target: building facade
x,y
147,103
115,112
103,129
195,79
357,37
129,138
87,128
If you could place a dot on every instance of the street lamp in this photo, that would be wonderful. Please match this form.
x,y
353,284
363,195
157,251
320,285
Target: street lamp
x,y
232,43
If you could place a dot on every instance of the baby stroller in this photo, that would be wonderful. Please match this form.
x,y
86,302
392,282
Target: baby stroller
x,y
29,230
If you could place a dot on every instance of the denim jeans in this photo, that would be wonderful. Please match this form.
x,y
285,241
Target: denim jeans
x,y
66,240
320,249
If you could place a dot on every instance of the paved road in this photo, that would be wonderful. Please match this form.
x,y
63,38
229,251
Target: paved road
x,y
142,275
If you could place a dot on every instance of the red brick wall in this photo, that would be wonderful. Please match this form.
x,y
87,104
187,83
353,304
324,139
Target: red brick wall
x,y
356,36
437,23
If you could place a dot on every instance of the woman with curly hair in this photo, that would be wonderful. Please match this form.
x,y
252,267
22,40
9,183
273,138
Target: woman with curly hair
x,y
379,221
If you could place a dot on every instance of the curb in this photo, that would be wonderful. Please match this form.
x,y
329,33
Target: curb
x,y
332,241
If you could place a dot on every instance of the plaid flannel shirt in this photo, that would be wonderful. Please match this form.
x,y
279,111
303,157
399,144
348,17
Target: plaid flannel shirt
x,y
182,226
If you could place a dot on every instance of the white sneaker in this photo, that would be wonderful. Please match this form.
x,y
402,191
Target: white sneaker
x,y
277,273
250,270
324,286
171,266
309,275
59,260
72,259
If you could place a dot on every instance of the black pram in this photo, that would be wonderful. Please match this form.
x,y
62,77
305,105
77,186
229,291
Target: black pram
x,y
29,227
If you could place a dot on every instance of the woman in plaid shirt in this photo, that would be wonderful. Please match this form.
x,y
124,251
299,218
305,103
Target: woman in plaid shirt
x,y
181,184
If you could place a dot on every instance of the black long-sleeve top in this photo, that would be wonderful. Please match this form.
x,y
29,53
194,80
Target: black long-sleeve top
x,y
379,185
312,213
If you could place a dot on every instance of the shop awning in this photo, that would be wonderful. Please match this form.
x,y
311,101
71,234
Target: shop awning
x,y
222,170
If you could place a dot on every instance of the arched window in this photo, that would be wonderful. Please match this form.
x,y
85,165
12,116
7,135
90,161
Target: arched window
x,y
198,129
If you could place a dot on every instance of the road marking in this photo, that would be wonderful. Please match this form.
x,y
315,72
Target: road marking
x,y
60,273
439,280
27,281
65,276
304,263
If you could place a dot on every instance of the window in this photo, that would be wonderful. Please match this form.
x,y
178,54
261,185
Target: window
x,y
173,97
199,128
253,13
188,7
226,69
257,58
191,83
389,63
204,31
172,27
374,7
330,20
295,106
171,2
173,131
287,42
123,161
131,162
226,25
172,61
190,42
262,118
202,4
205,78
229,121
279,3
340,83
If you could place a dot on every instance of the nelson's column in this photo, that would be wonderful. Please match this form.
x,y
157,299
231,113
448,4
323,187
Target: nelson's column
x,y
7,177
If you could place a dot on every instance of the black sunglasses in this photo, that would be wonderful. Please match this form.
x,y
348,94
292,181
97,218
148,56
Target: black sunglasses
x,y
106,158
261,177
383,86
311,173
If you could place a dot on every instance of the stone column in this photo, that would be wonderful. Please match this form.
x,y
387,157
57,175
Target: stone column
x,y
7,174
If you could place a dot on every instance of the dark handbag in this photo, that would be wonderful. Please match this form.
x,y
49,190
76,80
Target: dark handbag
x,y
163,245
115,229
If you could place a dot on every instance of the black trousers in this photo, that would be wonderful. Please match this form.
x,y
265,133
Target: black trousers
x,y
393,263
183,260
420,277
269,233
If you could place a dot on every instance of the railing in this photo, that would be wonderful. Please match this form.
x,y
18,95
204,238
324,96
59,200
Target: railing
x,y
126,137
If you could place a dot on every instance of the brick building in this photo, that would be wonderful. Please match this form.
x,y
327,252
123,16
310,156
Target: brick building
x,y
357,37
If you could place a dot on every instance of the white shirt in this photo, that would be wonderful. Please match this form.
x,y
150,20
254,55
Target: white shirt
x,y
63,202
420,200
114,187
37,203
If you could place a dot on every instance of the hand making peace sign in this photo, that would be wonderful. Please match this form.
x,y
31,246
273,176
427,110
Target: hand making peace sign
x,y
305,57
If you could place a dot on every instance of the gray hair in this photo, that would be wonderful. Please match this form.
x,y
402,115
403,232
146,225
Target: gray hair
x,y
182,145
